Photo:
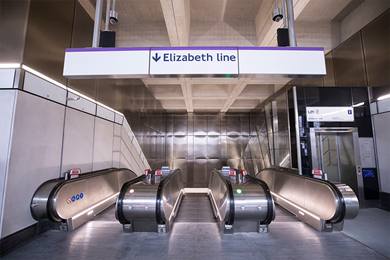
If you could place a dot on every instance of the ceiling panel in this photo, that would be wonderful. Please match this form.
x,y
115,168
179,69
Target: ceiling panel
x,y
211,90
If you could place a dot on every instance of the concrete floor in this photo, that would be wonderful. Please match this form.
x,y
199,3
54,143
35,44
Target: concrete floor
x,y
366,237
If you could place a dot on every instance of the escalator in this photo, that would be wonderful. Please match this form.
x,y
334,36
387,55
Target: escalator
x,y
322,204
67,204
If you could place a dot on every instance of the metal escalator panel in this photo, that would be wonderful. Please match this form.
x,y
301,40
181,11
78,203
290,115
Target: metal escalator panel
x,y
150,204
241,203
322,204
75,201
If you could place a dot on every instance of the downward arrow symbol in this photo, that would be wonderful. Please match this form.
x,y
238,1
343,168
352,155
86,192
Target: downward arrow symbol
x,y
156,58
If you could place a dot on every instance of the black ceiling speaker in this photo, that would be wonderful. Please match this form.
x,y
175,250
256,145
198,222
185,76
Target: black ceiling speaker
x,y
107,39
283,38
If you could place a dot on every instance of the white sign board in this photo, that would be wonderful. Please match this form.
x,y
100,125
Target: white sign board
x,y
194,61
292,61
367,152
106,62
329,114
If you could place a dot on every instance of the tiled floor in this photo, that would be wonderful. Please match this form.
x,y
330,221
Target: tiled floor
x,y
363,238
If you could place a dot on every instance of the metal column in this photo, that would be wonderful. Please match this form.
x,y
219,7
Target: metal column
x,y
98,20
297,135
291,28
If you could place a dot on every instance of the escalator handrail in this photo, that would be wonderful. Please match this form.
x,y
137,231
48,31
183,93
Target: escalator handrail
x,y
62,182
270,204
228,184
160,218
337,218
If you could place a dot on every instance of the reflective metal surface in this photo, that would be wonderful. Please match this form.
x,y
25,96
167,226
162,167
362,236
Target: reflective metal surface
x,y
80,198
240,204
319,203
151,203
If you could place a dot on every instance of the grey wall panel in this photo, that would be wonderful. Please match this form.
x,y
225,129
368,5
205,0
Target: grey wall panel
x,y
382,126
7,78
182,165
348,63
118,130
124,163
13,20
200,147
105,113
49,33
103,144
35,157
213,147
78,141
116,159
81,104
7,105
376,42
42,88
244,124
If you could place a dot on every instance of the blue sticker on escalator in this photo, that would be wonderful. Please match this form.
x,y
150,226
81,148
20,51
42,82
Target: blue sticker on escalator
x,y
73,198
169,198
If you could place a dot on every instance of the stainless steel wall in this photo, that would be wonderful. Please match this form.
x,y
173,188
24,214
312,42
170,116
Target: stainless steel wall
x,y
13,25
199,142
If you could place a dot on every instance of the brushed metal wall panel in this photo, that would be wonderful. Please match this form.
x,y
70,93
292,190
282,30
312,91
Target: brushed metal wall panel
x,y
244,124
233,125
48,36
200,147
78,141
214,124
106,90
213,147
84,86
213,164
224,146
376,42
190,150
35,156
169,130
329,80
82,28
190,124
281,140
348,63
234,163
103,144
200,174
169,148
180,125
13,20
180,147
200,124
182,165
233,147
